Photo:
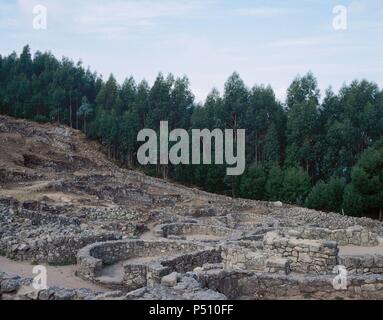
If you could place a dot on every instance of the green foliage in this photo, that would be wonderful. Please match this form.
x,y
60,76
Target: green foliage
x,y
327,196
40,118
85,111
253,183
272,148
367,179
296,185
108,95
215,178
303,89
352,202
274,184
43,88
289,146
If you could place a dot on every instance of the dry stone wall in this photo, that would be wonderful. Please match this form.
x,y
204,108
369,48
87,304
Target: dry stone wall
x,y
42,238
237,257
241,284
59,250
277,286
180,229
356,235
362,264
168,257
305,256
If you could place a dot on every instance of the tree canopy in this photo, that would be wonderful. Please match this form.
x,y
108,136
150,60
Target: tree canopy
x,y
325,153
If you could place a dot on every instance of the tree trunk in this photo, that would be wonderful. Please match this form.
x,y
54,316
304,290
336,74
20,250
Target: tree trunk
x,y
256,148
77,107
130,159
235,141
70,109
165,172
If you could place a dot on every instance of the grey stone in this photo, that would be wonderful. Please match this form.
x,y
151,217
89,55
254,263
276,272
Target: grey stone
x,y
170,280
9,285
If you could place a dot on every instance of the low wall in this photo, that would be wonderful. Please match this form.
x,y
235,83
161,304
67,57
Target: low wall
x,y
38,218
38,212
238,257
292,217
277,286
356,235
362,264
59,250
150,274
252,220
175,256
179,229
240,284
306,256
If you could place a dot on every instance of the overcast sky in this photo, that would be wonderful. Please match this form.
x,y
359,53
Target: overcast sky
x,y
267,42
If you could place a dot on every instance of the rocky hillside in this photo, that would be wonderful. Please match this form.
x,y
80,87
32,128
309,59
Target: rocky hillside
x,y
58,170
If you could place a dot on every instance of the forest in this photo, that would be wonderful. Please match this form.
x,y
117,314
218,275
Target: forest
x,y
321,150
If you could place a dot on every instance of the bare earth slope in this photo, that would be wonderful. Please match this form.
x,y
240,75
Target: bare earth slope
x,y
56,167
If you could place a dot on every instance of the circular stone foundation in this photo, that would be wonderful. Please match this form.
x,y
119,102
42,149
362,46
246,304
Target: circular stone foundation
x,y
133,264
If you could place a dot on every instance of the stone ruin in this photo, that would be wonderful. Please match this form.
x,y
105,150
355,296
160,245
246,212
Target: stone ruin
x,y
144,262
125,235
241,255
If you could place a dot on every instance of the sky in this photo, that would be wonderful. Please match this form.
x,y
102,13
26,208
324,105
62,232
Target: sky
x,y
267,42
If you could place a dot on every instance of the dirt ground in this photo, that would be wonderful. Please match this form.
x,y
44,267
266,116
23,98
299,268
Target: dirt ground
x,y
115,272
63,276
355,250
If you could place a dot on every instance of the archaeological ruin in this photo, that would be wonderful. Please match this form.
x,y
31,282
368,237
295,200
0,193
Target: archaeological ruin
x,y
106,233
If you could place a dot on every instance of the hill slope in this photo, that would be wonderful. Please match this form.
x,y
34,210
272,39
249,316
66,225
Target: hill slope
x,y
50,167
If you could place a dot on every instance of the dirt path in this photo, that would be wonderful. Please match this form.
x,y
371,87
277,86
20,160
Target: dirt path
x,y
63,276
114,274
355,250
149,235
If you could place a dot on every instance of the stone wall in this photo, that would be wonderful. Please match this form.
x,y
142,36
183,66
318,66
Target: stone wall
x,y
56,250
250,221
293,217
306,256
151,273
296,286
356,235
179,229
168,257
238,257
362,264
41,237
242,284
38,213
